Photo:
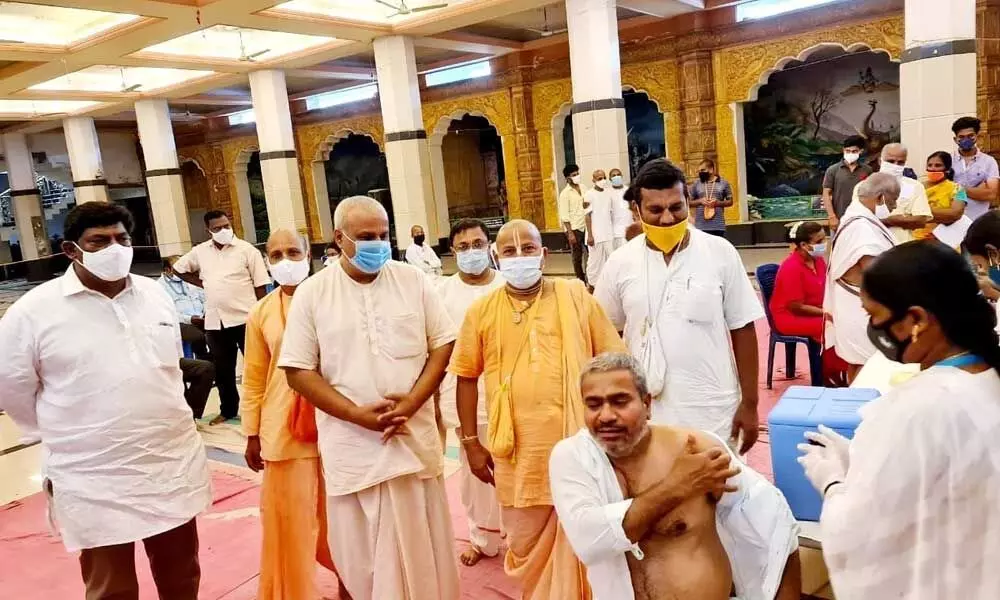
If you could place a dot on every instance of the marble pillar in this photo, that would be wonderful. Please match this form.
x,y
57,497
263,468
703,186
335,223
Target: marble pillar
x,y
163,177
89,182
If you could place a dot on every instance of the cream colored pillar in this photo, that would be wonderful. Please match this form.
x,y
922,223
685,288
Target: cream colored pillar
x,y
163,177
938,74
599,135
89,183
278,163
406,153
434,148
29,217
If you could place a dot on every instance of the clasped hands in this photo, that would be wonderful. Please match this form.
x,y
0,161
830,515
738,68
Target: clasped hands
x,y
388,415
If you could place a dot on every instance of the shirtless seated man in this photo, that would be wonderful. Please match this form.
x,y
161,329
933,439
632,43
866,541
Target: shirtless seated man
x,y
659,512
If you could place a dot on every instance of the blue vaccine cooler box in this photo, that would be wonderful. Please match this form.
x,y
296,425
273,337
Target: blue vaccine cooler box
x,y
801,409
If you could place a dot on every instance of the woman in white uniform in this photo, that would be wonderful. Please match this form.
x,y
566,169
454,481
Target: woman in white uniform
x,y
912,504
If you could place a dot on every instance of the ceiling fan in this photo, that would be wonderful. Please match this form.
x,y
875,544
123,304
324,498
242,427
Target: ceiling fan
x,y
128,88
546,31
403,9
244,57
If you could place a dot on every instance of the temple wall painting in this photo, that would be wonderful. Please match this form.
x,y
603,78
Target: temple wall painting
x,y
796,127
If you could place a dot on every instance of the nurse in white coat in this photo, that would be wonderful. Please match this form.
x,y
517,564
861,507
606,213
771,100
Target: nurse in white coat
x,y
910,505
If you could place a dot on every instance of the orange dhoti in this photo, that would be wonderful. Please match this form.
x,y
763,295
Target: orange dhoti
x,y
540,557
293,517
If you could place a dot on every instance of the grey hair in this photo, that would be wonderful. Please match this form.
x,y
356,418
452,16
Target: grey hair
x,y
348,205
879,184
618,361
301,237
893,146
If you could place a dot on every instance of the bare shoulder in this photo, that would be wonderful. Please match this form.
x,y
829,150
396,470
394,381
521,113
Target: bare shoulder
x,y
678,436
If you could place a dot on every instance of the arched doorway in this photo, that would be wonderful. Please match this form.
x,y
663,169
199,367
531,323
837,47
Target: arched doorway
x,y
796,122
644,128
347,164
250,196
468,170
197,196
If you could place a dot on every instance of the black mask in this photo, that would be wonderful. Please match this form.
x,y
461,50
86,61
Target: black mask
x,y
885,342
419,239
704,176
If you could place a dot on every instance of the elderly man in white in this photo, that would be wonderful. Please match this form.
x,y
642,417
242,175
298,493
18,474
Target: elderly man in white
x,y
421,255
666,512
861,237
367,342
91,366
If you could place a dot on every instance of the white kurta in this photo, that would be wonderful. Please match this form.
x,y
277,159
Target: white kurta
x,y
917,516
424,258
458,296
848,332
369,341
677,320
755,524
99,381
621,216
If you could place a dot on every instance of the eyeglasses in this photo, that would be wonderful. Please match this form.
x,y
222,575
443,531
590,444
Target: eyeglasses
x,y
476,245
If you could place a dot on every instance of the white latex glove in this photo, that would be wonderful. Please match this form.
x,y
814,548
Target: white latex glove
x,y
831,439
822,465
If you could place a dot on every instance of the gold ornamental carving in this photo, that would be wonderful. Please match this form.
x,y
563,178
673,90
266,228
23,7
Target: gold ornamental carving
x,y
658,80
495,106
315,137
548,98
739,69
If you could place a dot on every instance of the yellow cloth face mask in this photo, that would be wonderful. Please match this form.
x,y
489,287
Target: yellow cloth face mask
x,y
665,238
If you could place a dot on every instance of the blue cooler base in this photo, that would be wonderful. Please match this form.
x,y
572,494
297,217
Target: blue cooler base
x,y
801,409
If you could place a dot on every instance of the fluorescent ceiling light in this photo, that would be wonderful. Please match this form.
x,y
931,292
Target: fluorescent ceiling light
x,y
453,74
39,108
762,9
105,78
356,94
54,25
235,43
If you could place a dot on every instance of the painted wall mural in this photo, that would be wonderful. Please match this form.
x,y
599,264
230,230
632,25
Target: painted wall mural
x,y
796,127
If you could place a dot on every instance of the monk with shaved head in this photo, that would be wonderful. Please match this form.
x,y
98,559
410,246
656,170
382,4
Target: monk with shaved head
x,y
292,503
528,340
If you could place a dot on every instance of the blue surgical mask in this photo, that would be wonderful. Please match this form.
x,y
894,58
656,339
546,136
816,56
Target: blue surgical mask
x,y
616,180
967,144
995,275
819,250
521,272
370,255
473,262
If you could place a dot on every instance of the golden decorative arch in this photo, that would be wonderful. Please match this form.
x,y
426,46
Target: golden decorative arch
x,y
313,137
738,72
495,106
658,80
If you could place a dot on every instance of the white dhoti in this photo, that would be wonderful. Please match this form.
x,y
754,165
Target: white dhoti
x,y
481,506
599,254
849,329
394,541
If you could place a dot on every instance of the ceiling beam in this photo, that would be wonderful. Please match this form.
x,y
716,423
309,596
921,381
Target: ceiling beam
x,y
334,73
147,8
467,42
289,22
213,100
465,14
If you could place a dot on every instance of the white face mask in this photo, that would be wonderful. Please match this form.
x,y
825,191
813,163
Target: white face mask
x,y
882,211
223,237
851,157
600,183
108,264
575,180
290,272
521,272
891,169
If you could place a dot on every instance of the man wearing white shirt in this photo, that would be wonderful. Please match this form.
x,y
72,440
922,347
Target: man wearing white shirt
x,y
600,224
665,512
474,279
420,255
90,363
673,283
621,214
234,277
367,342
912,211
